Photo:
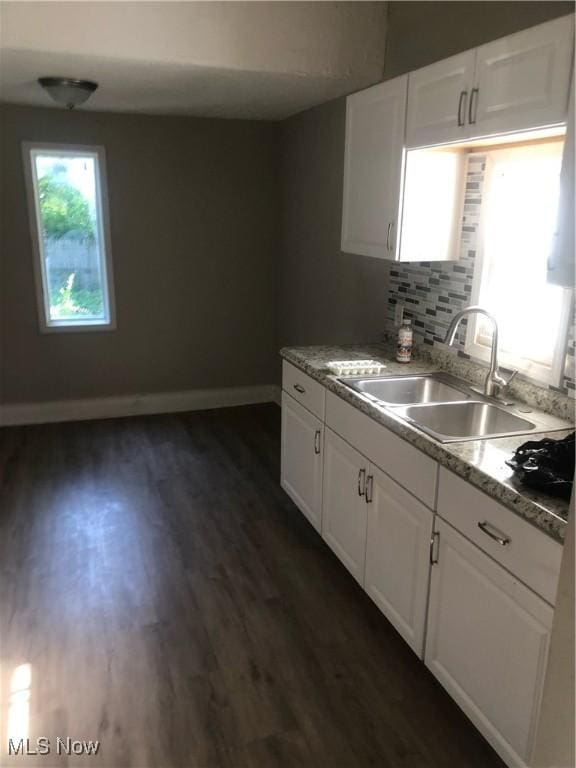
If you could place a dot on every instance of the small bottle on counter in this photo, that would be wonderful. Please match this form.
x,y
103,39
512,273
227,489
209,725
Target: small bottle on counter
x,y
405,338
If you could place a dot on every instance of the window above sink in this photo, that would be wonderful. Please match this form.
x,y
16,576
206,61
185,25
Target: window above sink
x,y
518,213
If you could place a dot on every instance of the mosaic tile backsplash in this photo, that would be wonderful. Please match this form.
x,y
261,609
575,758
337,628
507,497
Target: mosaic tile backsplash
x,y
433,292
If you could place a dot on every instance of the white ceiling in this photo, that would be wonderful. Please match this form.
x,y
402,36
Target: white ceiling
x,y
263,60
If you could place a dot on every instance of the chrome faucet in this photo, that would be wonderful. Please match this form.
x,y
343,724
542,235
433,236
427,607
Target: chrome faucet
x,y
493,380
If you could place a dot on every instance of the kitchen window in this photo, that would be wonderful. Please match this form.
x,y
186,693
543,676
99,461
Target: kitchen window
x,y
68,211
516,230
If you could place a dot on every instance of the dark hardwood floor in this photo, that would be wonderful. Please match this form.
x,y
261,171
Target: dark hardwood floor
x,y
161,594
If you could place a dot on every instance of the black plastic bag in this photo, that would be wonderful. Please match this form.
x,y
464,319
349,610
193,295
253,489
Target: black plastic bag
x,y
546,465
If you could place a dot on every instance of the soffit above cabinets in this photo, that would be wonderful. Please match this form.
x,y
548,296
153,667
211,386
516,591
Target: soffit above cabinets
x,y
264,60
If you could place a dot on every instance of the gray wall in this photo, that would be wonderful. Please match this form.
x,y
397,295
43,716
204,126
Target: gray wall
x,y
193,206
209,282
326,296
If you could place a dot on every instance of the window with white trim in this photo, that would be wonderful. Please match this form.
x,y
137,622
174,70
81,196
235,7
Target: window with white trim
x,y
68,212
517,224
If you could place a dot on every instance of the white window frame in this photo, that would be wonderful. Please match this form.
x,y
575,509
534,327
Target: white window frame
x,y
546,375
70,325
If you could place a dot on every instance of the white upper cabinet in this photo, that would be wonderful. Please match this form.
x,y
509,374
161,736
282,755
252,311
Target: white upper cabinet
x,y
373,162
523,81
561,266
513,84
433,203
438,101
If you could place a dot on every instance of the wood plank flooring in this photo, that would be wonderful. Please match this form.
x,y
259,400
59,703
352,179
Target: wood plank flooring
x,y
160,593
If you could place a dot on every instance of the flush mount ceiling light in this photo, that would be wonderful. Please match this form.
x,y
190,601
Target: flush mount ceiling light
x,y
67,91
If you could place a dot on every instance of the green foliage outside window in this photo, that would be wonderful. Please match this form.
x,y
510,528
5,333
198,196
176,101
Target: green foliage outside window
x,y
67,301
64,209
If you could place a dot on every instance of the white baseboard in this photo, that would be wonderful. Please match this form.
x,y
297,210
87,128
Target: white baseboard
x,y
277,394
135,405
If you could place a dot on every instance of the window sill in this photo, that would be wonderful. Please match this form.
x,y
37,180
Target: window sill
x,y
538,375
86,327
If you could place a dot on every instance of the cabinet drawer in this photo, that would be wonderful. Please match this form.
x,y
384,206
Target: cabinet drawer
x,y
405,464
302,388
529,554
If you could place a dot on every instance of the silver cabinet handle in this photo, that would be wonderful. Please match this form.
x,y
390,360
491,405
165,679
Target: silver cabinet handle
x,y
317,441
462,107
434,541
299,388
361,482
369,487
388,236
473,106
495,534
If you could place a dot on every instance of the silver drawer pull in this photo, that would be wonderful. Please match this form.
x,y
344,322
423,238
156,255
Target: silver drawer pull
x,y
495,534
361,482
299,388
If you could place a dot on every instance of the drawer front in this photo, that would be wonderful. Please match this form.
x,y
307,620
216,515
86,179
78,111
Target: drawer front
x,y
405,464
527,553
302,388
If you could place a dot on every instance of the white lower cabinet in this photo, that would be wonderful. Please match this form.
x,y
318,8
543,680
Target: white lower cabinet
x,y
487,643
344,507
301,458
397,556
381,533
470,589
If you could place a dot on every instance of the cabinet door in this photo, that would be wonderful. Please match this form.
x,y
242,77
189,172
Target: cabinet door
x,y
487,643
398,556
438,101
301,459
344,505
561,267
523,80
373,160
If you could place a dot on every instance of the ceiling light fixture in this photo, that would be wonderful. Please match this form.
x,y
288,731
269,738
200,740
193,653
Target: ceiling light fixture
x,y
68,91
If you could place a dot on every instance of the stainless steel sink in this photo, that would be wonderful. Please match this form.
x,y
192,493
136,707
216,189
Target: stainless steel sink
x,y
405,390
449,422
448,409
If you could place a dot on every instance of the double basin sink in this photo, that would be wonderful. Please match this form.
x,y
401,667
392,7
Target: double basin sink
x,y
446,407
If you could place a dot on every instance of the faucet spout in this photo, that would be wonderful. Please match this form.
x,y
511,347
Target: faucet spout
x,y
493,379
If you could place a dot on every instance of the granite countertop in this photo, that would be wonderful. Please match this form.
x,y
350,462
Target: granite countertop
x,y
480,462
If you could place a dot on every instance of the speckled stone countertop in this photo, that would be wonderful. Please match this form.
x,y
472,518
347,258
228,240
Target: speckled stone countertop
x,y
481,462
